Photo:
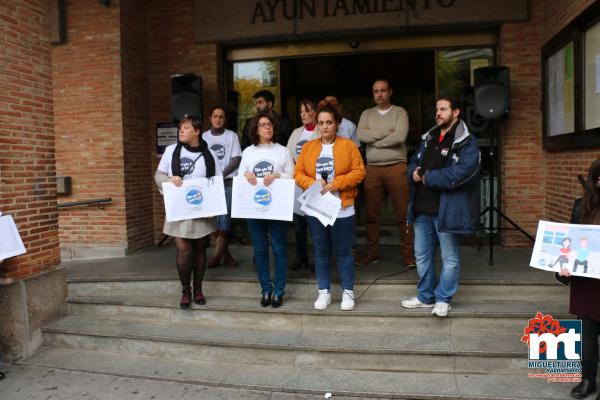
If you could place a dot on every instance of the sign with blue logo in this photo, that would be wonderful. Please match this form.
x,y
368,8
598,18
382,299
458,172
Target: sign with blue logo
x,y
274,202
263,196
194,196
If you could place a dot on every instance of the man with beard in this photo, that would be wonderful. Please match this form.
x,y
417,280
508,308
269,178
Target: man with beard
x,y
264,101
444,203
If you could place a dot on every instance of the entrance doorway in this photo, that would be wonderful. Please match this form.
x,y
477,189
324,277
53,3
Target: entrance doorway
x,y
417,76
350,78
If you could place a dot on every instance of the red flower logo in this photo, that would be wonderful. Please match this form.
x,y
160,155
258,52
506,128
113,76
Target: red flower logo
x,y
542,324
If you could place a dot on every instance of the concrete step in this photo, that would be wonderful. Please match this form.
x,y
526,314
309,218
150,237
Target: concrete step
x,y
396,289
309,381
298,314
338,348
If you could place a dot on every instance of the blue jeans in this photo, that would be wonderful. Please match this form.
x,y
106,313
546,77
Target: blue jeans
x,y
338,239
224,221
427,236
301,238
259,231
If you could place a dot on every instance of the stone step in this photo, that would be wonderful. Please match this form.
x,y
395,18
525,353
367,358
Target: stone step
x,y
307,288
298,314
341,349
309,381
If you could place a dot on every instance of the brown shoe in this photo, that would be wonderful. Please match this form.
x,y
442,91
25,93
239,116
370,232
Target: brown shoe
x,y
410,263
229,260
186,298
220,246
366,260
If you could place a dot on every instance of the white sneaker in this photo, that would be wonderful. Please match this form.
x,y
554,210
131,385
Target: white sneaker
x,y
441,309
323,300
347,300
414,302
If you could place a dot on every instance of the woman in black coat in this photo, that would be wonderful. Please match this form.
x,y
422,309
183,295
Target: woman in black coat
x,y
585,292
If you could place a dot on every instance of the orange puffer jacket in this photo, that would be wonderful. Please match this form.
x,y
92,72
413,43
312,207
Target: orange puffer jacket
x,y
348,165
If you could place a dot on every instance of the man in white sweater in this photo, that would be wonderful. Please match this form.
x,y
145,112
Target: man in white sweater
x,y
384,129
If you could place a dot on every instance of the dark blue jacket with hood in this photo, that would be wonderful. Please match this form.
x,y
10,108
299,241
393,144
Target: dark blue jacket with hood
x,y
457,182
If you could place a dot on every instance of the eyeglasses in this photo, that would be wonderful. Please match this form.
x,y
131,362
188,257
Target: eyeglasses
x,y
265,125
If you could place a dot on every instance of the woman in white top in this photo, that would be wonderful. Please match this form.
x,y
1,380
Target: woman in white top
x,y
190,158
307,132
225,145
268,160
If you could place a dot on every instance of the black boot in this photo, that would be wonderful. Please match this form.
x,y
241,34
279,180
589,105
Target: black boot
x,y
265,300
299,264
585,387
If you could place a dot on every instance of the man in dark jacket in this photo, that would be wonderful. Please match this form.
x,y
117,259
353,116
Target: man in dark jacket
x,y
264,101
444,203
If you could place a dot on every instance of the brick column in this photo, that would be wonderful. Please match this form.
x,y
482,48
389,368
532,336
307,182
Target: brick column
x,y
32,286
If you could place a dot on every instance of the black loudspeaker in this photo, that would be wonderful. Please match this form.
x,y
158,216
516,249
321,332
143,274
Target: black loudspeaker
x,y
186,96
492,91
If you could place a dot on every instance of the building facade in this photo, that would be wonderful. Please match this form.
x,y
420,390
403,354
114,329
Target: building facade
x,y
84,86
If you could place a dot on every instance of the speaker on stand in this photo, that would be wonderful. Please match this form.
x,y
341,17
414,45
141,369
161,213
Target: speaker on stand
x,y
492,102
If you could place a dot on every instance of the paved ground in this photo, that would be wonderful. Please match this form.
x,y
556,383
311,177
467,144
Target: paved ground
x,y
35,383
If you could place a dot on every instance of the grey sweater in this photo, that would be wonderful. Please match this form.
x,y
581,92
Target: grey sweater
x,y
384,135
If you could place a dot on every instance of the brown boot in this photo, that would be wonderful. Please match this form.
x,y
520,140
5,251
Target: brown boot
x,y
228,259
219,250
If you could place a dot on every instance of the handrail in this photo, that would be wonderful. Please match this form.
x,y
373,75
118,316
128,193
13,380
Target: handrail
x,y
85,202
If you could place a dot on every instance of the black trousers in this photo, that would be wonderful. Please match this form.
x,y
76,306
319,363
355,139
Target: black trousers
x,y
589,364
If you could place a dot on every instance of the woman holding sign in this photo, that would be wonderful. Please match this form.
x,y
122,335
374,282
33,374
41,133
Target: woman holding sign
x,y
268,160
189,158
337,165
585,292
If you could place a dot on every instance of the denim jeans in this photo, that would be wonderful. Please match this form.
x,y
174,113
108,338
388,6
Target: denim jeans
x,y
224,221
259,231
301,238
338,239
427,236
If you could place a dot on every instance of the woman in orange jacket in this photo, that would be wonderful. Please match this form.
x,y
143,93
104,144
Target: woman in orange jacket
x,y
337,165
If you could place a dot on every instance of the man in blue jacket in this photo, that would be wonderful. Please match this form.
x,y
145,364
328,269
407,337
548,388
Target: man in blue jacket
x,y
444,203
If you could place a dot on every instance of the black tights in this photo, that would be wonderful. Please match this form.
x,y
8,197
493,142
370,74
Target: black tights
x,y
191,258
589,365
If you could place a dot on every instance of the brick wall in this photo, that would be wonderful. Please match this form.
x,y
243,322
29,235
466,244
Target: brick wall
x,y
522,168
171,50
136,135
562,167
536,184
27,161
89,126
